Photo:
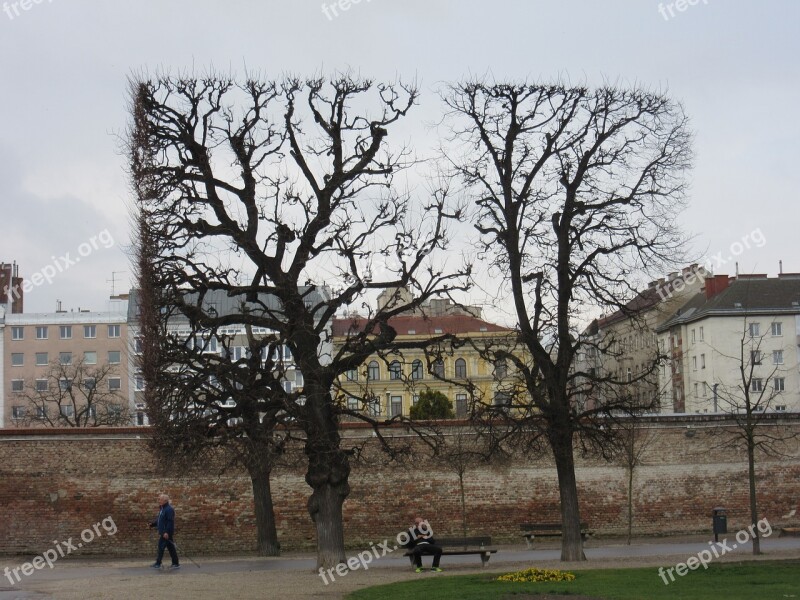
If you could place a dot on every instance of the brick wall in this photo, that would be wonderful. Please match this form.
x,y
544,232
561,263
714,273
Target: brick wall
x,y
53,485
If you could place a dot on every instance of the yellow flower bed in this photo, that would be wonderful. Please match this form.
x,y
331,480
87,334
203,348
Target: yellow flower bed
x,y
533,575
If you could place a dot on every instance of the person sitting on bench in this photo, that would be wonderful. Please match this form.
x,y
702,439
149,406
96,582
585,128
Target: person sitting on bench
x,y
422,543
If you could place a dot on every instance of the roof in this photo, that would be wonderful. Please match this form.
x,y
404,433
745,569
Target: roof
x,y
744,296
423,325
225,304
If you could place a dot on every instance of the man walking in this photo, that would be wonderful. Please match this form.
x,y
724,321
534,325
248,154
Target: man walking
x,y
165,522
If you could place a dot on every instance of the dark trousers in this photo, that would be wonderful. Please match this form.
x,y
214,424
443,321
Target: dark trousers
x,y
427,549
169,545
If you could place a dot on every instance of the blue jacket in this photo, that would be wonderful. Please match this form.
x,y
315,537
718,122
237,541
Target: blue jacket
x,y
166,520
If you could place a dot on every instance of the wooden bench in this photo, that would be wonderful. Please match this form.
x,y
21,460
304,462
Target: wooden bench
x,y
463,545
534,530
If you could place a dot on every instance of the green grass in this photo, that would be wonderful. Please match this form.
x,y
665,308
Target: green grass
x,y
739,581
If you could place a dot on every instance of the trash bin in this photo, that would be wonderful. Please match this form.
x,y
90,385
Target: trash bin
x,y
720,521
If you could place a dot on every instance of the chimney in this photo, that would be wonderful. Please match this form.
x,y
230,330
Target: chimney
x,y
715,285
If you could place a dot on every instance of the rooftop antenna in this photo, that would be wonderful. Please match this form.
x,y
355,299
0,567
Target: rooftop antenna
x,y
737,268
780,267
113,281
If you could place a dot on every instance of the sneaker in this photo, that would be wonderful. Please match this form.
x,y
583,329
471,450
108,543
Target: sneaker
x,y
420,570
437,570
155,566
175,567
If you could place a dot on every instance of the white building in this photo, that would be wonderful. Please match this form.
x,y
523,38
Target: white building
x,y
749,320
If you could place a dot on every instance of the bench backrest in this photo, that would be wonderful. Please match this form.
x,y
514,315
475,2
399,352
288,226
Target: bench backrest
x,y
545,526
465,541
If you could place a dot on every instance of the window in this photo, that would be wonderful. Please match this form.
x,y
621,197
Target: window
x,y
90,358
65,332
502,399
90,331
755,357
396,406
42,385
137,345
67,411
18,412
41,359
696,390
17,333
114,383
757,385
780,407
438,368
779,384
777,329
352,403
754,329
113,357
41,412
373,371
702,337
395,370
64,385
138,383
704,387
417,372
17,385
41,332
777,357
92,410
500,368
89,383
17,359
693,336
414,399
694,363
629,375
461,405
113,331
65,358
114,411
702,361
351,374
461,368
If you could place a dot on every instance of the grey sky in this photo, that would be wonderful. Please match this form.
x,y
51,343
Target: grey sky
x,y
64,65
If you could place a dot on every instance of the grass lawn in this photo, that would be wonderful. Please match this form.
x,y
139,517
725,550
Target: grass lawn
x,y
737,581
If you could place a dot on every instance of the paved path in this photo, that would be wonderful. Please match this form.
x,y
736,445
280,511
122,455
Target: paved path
x,y
70,573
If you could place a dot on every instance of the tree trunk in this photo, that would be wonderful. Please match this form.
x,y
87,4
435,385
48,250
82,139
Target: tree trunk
x,y
571,541
266,532
328,472
630,503
751,472
463,502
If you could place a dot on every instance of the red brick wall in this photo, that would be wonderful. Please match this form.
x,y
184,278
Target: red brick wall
x,y
54,486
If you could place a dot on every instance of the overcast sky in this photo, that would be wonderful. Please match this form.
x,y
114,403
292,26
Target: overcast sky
x,y
734,65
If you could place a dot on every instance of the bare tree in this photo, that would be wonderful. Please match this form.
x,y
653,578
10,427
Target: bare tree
x,y
76,394
750,402
267,191
635,442
576,191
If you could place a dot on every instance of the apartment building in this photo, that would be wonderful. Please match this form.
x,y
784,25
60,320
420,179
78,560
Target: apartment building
x,y
47,353
624,344
235,344
749,321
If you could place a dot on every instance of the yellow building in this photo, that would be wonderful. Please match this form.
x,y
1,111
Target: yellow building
x,y
387,386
